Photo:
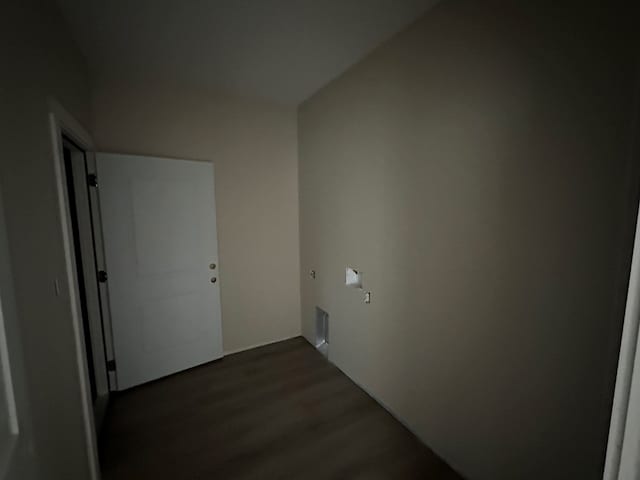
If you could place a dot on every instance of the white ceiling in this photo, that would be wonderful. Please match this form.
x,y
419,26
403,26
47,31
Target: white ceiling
x,y
282,50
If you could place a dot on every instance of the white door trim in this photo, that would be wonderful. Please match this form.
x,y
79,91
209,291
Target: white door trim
x,y
621,457
622,460
8,444
61,122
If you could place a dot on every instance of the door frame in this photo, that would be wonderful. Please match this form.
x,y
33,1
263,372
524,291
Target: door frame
x,y
90,255
11,368
62,123
622,459
623,455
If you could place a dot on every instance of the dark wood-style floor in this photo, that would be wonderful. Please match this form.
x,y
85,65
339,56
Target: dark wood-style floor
x,y
275,412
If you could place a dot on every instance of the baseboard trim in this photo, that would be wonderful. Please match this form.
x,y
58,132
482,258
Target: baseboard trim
x,y
389,411
257,345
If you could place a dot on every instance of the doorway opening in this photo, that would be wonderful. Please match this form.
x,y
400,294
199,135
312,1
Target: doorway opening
x,y
85,240
68,147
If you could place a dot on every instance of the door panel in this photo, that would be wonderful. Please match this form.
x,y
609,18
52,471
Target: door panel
x,y
160,224
160,238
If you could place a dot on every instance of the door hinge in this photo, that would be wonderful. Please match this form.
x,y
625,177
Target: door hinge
x,y
111,365
102,276
92,180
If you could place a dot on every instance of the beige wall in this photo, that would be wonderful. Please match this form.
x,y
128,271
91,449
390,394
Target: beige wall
x,y
253,146
476,169
39,60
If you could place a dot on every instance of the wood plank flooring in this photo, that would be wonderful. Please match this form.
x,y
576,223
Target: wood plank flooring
x,y
275,412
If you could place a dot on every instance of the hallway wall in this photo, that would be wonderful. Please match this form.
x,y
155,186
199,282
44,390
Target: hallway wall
x,y
39,61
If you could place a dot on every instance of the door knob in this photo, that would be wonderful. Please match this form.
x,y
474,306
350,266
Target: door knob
x,y
214,279
212,266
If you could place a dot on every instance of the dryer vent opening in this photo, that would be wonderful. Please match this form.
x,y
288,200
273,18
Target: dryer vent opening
x,y
322,331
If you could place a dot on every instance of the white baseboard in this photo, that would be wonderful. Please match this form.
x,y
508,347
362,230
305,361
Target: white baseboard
x,y
388,409
263,344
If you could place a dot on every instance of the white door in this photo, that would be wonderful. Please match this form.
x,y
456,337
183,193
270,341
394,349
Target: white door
x,y
159,227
